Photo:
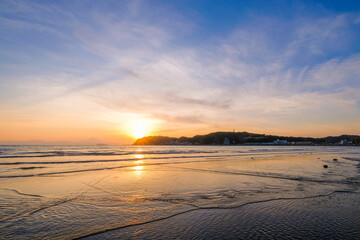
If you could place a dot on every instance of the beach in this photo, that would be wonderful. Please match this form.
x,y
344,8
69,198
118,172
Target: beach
x,y
179,119
335,216
184,192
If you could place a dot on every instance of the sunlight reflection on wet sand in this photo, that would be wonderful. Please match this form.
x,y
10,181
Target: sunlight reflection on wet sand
x,y
143,189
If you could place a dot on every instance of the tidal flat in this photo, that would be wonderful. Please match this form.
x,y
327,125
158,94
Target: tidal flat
x,y
164,192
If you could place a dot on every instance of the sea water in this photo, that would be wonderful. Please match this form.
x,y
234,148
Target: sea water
x,y
68,192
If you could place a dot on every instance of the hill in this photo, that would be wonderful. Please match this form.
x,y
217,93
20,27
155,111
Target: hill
x,y
245,138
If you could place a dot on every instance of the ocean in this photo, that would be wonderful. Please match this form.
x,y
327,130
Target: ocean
x,y
183,192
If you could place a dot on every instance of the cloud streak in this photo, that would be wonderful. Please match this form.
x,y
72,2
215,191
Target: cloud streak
x,y
125,60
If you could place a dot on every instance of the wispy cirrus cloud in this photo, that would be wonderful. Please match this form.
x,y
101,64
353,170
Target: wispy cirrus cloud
x,y
123,59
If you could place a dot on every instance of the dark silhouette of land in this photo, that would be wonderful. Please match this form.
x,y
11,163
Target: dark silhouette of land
x,y
234,138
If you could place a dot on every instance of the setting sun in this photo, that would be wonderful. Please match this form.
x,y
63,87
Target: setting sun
x,y
139,133
180,119
138,126
140,129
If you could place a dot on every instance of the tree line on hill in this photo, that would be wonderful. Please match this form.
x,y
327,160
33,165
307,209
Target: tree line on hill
x,y
241,138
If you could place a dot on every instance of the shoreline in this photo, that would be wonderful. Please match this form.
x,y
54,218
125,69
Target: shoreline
x,y
114,232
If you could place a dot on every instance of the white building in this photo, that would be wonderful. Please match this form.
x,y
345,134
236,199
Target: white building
x,y
280,142
344,142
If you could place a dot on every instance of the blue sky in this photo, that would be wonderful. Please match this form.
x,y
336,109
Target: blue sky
x,y
89,71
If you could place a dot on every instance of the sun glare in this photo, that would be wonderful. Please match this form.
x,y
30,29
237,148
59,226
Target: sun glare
x,y
139,133
138,126
140,129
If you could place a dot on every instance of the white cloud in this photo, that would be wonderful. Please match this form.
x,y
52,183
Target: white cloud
x,y
335,75
249,77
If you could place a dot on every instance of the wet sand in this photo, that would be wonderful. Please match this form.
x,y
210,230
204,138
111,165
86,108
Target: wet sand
x,y
166,192
335,216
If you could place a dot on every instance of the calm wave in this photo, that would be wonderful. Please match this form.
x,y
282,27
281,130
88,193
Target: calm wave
x,y
57,192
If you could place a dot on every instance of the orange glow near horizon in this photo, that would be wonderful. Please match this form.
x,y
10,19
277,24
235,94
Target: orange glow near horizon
x,y
117,77
115,129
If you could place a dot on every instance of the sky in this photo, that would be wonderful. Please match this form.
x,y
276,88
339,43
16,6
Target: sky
x,y
88,72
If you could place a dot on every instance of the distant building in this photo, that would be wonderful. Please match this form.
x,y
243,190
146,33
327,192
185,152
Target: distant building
x,y
280,142
345,141
226,141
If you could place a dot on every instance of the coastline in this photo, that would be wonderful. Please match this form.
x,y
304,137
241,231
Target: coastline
x,y
142,192
314,217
